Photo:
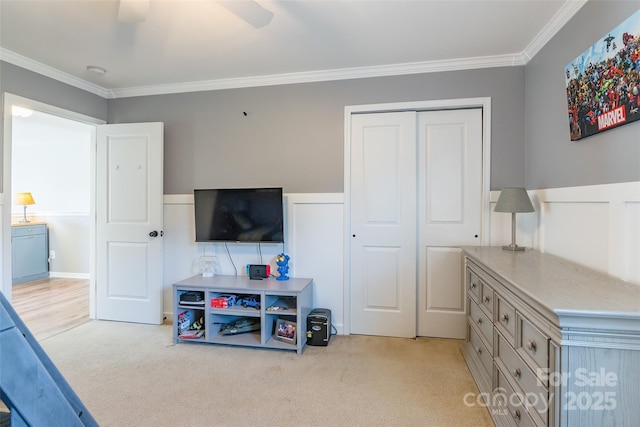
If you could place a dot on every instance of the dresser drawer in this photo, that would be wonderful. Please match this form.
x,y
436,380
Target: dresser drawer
x,y
531,388
506,319
482,322
28,230
481,351
474,286
508,403
487,299
533,344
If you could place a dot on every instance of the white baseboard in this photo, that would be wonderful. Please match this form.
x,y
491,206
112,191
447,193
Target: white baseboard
x,y
66,275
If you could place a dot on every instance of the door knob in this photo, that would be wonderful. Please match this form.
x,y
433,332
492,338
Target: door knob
x,y
154,233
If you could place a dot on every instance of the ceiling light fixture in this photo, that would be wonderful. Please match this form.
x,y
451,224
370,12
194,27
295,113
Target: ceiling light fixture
x,y
96,70
17,111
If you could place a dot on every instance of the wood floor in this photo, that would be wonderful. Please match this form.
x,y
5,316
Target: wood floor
x,y
51,306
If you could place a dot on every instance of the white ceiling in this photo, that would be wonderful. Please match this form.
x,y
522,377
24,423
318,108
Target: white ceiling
x,y
198,44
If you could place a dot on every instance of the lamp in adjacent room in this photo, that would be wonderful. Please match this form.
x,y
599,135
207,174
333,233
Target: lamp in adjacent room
x,y
24,199
514,200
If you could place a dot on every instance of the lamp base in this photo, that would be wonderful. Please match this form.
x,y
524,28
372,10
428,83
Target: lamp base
x,y
513,248
24,221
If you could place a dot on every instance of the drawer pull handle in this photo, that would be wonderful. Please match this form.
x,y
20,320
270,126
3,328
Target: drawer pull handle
x,y
532,346
516,372
480,321
505,318
487,299
516,414
478,350
473,285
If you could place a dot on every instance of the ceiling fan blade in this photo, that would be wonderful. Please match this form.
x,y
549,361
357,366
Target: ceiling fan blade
x,y
249,10
133,11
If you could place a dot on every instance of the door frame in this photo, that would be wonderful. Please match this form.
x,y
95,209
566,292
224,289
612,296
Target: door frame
x,y
483,103
5,195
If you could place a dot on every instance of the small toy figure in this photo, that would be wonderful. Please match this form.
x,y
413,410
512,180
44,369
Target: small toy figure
x,y
283,268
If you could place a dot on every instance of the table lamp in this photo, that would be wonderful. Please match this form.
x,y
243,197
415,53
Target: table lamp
x,y
24,199
514,200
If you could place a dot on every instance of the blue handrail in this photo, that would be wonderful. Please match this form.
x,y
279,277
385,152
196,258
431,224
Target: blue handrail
x,y
31,386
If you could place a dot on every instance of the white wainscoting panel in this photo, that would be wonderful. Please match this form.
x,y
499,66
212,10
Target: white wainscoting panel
x,y
579,229
315,229
597,226
631,245
179,248
313,240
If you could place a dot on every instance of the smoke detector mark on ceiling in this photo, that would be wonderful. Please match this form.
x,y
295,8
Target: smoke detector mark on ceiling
x,y
96,70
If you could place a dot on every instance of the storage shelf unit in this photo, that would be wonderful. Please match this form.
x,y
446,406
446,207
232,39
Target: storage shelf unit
x,y
551,343
29,252
295,292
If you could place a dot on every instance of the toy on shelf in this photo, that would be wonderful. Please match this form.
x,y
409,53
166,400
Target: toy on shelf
x,y
249,301
240,326
188,328
283,266
223,301
283,304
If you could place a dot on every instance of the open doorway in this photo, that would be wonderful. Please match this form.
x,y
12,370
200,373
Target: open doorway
x,y
50,153
51,162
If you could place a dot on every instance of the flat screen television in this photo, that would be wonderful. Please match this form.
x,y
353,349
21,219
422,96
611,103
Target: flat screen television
x,y
249,215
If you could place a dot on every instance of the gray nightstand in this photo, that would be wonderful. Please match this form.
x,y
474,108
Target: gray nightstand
x,y
30,252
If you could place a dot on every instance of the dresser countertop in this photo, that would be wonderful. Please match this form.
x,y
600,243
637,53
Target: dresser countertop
x,y
558,286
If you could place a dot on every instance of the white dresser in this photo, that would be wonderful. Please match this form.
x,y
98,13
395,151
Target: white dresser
x,y
551,343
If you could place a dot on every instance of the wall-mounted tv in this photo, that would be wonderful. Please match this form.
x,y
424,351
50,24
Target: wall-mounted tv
x,y
249,215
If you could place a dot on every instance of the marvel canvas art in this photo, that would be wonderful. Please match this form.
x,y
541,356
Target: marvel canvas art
x,y
603,84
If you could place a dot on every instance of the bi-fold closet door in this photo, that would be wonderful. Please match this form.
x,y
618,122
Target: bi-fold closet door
x,y
415,199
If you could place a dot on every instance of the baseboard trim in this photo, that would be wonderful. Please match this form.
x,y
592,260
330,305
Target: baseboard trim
x,y
65,275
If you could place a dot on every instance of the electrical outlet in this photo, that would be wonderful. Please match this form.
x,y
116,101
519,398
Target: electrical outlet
x,y
52,254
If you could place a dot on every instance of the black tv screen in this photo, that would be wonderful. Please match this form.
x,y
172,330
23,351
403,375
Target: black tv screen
x,y
239,215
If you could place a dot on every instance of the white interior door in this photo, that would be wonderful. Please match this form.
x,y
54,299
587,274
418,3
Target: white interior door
x,y
129,207
450,212
383,223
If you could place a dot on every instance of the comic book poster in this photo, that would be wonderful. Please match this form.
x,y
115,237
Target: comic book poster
x,y
603,84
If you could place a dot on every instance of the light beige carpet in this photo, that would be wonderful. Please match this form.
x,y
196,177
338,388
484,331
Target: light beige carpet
x,y
133,375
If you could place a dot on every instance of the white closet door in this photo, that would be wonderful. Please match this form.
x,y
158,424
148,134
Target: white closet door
x,y
416,198
383,224
450,213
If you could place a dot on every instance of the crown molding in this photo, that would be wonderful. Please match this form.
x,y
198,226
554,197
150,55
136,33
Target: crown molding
x,y
54,73
325,75
562,16
566,12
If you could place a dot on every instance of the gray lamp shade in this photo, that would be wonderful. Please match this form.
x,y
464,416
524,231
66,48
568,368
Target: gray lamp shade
x,y
513,199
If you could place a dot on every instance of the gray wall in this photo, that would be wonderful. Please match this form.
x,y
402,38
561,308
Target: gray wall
x,y
293,135
552,160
